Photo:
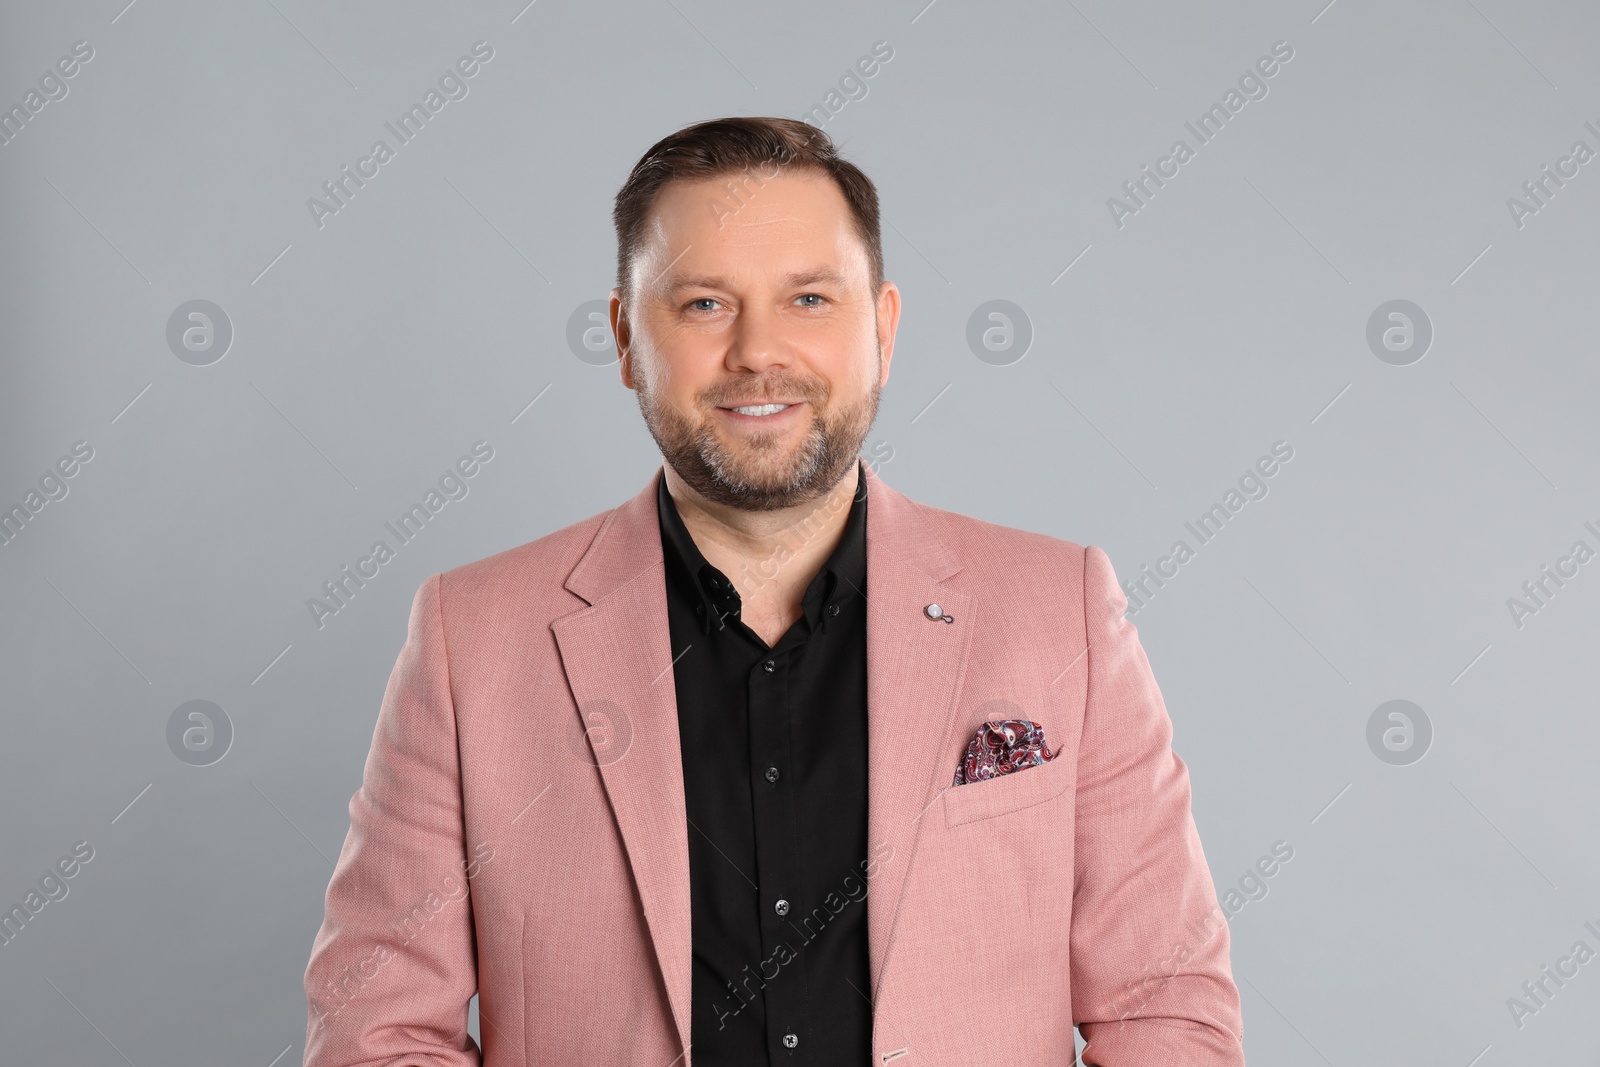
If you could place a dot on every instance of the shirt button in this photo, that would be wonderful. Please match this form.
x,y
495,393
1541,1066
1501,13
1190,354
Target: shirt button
x,y
770,666
833,609
790,1040
772,774
781,907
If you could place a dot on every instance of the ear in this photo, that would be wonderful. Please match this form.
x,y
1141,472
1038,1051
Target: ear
x,y
624,337
888,316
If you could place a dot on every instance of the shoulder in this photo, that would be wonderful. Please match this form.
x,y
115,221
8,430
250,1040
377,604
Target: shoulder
x,y
995,558
989,546
529,575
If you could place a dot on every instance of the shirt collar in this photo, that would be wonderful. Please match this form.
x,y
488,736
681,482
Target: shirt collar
x,y
842,576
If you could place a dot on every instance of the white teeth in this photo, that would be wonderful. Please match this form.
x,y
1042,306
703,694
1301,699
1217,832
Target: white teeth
x,y
761,409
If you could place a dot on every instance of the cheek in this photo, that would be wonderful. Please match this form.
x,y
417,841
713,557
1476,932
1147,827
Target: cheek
x,y
678,374
855,365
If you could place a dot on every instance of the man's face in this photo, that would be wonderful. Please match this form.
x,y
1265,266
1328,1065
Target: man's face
x,y
758,299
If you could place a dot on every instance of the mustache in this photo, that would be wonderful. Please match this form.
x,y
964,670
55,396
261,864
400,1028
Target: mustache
x,y
733,396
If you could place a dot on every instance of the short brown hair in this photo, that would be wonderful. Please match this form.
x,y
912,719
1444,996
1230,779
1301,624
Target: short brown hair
x,y
735,145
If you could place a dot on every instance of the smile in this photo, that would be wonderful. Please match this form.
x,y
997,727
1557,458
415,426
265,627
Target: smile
x,y
750,414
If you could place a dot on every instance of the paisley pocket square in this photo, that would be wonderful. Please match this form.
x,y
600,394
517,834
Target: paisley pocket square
x,y
1001,747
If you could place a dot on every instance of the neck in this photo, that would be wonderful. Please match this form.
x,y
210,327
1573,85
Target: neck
x,y
770,556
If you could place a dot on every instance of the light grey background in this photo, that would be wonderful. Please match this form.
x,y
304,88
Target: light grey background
x,y
1230,312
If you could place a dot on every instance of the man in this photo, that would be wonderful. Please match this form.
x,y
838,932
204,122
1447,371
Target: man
x,y
675,784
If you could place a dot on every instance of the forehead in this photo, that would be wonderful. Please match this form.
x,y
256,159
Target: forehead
x,y
746,223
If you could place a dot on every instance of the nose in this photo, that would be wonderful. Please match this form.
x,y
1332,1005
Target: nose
x,y
757,340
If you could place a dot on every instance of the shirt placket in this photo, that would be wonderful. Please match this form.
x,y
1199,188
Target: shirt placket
x,y
782,894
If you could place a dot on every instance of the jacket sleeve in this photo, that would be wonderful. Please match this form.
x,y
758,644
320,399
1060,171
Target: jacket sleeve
x,y
394,964
1151,981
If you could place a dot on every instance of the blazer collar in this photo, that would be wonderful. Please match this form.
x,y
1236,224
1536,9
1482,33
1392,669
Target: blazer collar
x,y
621,550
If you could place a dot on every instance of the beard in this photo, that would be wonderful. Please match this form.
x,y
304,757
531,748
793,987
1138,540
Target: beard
x,y
761,471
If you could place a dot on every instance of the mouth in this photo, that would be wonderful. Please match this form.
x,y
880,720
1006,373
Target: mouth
x,y
763,413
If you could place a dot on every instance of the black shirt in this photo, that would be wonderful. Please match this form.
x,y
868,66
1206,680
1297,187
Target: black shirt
x,y
774,745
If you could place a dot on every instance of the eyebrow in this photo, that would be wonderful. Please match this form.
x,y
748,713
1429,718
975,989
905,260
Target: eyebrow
x,y
794,280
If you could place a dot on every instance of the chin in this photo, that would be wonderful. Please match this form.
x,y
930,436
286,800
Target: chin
x,y
760,476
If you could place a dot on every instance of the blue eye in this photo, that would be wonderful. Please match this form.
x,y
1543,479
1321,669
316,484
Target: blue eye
x,y
810,296
702,300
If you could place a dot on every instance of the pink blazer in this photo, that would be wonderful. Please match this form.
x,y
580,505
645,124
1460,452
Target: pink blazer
x,y
520,832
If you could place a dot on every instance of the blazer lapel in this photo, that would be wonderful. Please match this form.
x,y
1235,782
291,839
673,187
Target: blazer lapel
x,y
617,653
915,666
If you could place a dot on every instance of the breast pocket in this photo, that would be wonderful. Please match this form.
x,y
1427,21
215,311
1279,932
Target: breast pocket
x,y
1007,793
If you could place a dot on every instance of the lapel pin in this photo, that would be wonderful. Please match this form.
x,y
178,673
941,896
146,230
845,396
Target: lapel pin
x,y
935,612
